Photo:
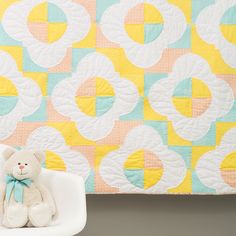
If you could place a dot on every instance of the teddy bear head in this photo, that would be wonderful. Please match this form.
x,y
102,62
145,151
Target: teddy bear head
x,y
22,164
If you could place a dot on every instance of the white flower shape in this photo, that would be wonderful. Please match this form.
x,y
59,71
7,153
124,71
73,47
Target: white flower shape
x,y
29,96
143,137
48,138
44,54
187,66
94,65
143,55
208,166
208,27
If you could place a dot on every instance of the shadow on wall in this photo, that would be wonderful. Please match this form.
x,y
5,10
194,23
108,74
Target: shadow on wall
x,y
151,215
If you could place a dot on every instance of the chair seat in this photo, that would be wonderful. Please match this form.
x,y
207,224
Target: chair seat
x,y
69,194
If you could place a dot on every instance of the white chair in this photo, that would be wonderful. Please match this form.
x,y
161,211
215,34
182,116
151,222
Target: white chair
x,y
69,194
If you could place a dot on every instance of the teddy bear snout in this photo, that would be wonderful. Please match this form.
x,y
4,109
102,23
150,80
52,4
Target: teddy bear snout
x,y
21,167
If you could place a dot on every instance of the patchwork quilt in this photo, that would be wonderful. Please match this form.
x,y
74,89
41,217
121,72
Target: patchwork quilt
x,y
136,96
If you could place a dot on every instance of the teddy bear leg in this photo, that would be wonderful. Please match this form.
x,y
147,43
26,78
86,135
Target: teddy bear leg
x,y
40,215
15,216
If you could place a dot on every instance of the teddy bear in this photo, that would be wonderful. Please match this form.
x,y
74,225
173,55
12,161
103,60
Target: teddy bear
x,y
23,200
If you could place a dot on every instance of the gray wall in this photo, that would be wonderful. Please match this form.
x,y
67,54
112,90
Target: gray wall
x,y
146,215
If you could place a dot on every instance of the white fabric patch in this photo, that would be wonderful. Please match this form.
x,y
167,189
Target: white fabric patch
x,y
143,137
95,65
187,66
29,95
143,55
44,54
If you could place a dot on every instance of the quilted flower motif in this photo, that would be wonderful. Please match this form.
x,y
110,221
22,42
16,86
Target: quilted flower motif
x,y
48,138
46,54
208,167
29,96
188,66
143,55
208,27
91,66
143,137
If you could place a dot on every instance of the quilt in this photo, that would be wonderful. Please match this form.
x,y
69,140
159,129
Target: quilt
x,y
136,96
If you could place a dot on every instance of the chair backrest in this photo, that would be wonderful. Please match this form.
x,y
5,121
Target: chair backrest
x,y
2,148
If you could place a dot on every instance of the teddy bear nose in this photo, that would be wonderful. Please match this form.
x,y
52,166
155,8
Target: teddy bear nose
x,y
21,167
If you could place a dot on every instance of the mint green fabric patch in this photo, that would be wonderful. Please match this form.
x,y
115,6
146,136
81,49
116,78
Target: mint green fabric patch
x,y
229,17
151,32
150,79
137,113
136,177
184,89
29,65
198,186
103,104
185,41
209,139
55,14
7,104
40,114
102,5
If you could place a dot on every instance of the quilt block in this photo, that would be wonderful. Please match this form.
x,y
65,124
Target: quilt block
x,y
136,96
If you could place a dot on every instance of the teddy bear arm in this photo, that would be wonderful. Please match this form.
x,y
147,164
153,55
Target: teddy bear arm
x,y
47,198
2,197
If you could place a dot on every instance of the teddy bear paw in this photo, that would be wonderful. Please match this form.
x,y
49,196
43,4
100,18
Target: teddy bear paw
x,y
40,215
16,216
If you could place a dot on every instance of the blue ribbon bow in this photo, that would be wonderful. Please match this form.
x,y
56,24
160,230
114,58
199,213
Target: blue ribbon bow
x,y
17,186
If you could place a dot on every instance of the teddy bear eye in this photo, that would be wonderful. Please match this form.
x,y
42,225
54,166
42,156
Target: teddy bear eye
x,y
19,163
26,164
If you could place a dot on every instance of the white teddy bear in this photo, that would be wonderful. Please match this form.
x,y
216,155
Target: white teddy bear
x,y
23,201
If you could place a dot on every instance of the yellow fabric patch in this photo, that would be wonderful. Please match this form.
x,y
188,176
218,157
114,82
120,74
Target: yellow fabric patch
x,y
101,152
103,88
197,152
87,105
185,187
70,133
152,15
136,32
56,31
89,41
4,5
17,53
222,128
152,176
183,106
7,88
229,32
135,160
211,54
40,78
200,89
150,114
185,6
137,80
54,162
39,13
174,139
229,163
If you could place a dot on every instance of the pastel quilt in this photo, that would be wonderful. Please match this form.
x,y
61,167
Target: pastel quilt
x,y
136,96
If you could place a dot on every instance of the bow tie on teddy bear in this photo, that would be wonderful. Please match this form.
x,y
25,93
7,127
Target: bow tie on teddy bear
x,y
16,186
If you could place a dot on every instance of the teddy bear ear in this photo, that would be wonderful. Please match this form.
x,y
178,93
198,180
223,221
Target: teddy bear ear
x,y
7,153
39,155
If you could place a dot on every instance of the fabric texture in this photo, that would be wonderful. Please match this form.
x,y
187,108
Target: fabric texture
x,y
136,96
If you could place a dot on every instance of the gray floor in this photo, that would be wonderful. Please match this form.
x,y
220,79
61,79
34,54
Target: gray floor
x,y
143,215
